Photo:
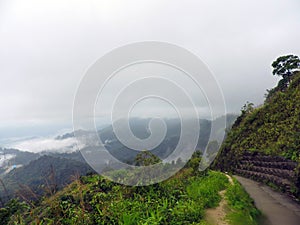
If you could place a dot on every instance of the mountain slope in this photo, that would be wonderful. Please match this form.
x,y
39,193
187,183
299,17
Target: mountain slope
x,y
181,199
269,134
47,172
10,157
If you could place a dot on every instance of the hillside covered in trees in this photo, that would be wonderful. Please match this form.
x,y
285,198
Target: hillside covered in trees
x,y
264,142
44,175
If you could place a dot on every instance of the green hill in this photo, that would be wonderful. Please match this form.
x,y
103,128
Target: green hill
x,y
45,174
181,199
265,141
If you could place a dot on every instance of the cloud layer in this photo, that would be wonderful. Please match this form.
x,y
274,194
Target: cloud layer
x,y
46,47
47,144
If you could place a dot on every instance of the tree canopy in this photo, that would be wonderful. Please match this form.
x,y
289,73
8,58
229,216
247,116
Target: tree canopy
x,y
146,158
286,65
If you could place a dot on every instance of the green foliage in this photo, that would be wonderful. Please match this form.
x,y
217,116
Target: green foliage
x,y
247,108
13,207
42,176
285,65
206,189
272,129
243,209
181,199
146,158
194,162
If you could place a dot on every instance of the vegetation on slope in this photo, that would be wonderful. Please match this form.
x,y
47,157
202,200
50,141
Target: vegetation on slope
x,y
242,210
46,174
181,199
272,129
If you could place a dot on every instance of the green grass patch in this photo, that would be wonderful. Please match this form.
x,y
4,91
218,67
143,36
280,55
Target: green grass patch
x,y
243,210
181,199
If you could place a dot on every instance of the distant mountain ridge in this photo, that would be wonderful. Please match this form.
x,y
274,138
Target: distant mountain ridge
x,y
42,173
139,127
32,169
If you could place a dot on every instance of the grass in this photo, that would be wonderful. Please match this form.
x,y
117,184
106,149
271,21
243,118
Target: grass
x,y
179,200
243,211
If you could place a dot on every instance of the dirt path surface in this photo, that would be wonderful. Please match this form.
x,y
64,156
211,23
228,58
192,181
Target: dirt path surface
x,y
277,208
216,216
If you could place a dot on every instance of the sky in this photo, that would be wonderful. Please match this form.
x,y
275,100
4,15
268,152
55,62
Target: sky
x,y
47,46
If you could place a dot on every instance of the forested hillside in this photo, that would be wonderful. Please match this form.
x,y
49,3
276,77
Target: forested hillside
x,y
264,142
45,175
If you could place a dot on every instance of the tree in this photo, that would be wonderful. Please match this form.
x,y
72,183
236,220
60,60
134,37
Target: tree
x,y
194,162
285,66
247,108
146,158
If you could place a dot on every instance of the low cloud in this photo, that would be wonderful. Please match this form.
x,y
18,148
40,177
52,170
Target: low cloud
x,y
47,144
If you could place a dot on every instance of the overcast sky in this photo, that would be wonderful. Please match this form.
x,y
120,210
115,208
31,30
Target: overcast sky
x,y
46,46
